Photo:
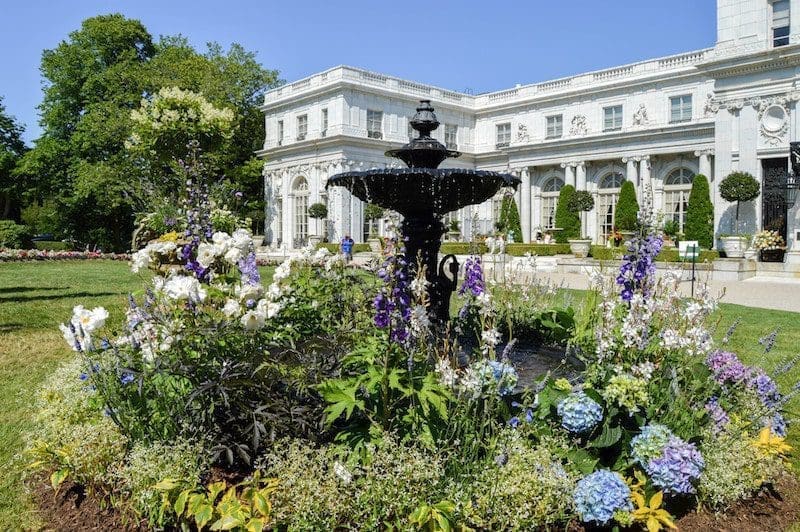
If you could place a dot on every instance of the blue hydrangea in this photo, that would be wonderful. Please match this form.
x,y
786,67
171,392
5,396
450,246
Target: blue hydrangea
x,y
679,465
579,413
649,442
599,495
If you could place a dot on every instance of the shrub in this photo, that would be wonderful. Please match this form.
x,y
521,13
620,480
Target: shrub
x,y
14,236
52,246
334,248
509,217
42,218
318,211
627,211
700,214
739,187
566,219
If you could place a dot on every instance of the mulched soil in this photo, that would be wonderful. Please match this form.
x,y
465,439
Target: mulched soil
x,y
772,510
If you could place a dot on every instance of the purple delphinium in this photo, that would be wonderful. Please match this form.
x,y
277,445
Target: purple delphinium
x,y
679,465
126,378
393,302
717,415
249,269
197,207
766,389
638,269
473,277
727,368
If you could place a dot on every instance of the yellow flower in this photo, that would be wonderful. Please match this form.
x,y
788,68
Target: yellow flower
x,y
563,385
169,237
653,516
771,444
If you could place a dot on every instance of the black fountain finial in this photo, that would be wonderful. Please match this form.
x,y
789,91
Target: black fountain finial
x,y
422,194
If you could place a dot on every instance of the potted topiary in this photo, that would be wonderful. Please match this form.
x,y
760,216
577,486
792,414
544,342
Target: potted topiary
x,y
373,213
580,202
671,228
317,211
627,211
738,187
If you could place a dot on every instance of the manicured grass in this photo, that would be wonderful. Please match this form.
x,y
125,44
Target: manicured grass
x,y
36,297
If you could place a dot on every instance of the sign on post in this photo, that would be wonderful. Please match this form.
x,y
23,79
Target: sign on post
x,y
689,249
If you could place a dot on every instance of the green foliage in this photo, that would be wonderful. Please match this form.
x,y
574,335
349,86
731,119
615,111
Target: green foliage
x,y
627,210
534,313
671,228
567,220
509,217
581,201
318,211
433,517
148,464
372,212
12,147
14,236
243,507
334,248
700,214
666,254
42,217
52,245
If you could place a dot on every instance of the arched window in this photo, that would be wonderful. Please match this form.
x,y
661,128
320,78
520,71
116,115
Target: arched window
x,y
550,190
300,197
677,186
607,196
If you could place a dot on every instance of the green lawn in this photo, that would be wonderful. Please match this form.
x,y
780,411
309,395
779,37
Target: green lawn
x,y
36,297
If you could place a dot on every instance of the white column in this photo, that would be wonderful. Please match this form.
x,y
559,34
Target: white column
x,y
525,191
569,173
580,175
536,215
286,214
631,173
723,149
704,162
748,162
645,179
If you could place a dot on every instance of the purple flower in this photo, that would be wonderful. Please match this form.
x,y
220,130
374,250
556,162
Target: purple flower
x,y
126,378
83,376
473,277
638,269
727,367
717,415
249,269
766,389
679,465
392,303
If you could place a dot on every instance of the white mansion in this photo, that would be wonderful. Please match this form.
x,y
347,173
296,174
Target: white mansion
x,y
658,123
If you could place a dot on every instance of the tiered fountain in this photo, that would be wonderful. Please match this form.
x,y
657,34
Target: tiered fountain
x,y
423,193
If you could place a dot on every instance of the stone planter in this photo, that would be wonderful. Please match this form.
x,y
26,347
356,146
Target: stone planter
x,y
453,236
580,247
734,246
374,244
772,255
314,240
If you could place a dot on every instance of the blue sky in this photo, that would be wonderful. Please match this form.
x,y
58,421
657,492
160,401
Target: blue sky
x,y
476,45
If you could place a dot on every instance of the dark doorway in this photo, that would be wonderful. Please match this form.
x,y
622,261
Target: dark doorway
x,y
774,210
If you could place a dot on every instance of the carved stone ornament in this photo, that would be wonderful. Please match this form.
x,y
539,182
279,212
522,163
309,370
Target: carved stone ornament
x,y
640,117
712,105
773,117
522,133
578,125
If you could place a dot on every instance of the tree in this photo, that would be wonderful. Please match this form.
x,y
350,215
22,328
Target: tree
x,y
318,211
626,214
567,220
739,187
94,81
700,214
581,201
509,217
372,213
12,148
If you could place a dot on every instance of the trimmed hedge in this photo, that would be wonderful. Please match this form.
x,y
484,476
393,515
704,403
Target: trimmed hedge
x,y
626,214
515,250
334,248
666,255
700,214
566,219
52,245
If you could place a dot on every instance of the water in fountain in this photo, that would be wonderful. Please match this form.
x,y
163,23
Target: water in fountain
x,y
422,194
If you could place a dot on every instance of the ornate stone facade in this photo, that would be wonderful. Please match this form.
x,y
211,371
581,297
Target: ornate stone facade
x,y
656,123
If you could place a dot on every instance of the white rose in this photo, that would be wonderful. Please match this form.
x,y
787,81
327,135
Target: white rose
x,y
253,320
206,254
140,260
232,308
223,240
179,287
242,240
248,291
233,255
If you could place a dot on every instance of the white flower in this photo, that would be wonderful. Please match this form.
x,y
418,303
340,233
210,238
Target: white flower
x,y
253,320
341,471
418,287
489,340
234,255
282,271
180,287
447,375
248,291
242,240
321,254
69,336
223,240
140,260
89,320
419,319
206,254
232,308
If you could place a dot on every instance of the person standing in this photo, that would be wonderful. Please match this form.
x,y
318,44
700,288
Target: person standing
x,y
346,246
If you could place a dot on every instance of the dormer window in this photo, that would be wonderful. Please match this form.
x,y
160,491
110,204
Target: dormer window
x,y
780,23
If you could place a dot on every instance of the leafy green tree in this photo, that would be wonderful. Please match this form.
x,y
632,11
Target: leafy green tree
x,y
581,201
700,214
12,148
626,214
566,219
94,81
509,217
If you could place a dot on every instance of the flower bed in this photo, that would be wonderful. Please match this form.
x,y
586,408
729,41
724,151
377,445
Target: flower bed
x,y
15,255
328,399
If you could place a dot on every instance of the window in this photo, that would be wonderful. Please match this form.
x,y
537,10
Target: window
x,y
375,124
302,127
503,135
607,203
680,108
451,136
497,207
300,193
780,23
324,125
677,186
555,126
612,118
550,191
280,132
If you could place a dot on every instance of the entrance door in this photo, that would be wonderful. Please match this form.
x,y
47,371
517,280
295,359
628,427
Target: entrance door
x,y
774,210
